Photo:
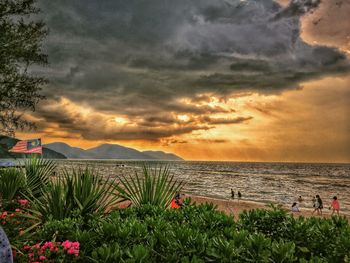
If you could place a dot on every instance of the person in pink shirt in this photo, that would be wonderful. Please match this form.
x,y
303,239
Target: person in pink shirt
x,y
335,205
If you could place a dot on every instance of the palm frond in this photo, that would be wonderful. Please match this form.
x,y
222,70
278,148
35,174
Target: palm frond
x,y
11,183
156,186
38,172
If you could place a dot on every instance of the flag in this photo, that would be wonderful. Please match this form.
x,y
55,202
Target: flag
x,y
27,146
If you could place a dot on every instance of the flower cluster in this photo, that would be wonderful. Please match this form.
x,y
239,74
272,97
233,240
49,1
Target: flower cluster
x,y
6,218
71,247
51,251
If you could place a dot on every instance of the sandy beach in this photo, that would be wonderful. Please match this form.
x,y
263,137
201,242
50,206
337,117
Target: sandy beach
x,y
235,207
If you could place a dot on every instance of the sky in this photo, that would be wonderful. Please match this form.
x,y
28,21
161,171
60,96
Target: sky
x,y
223,80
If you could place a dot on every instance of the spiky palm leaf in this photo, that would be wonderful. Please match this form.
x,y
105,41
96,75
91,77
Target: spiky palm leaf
x,y
80,192
38,172
90,191
157,187
11,182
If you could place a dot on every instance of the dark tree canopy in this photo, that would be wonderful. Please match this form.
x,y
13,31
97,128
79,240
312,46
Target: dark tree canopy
x,y
20,47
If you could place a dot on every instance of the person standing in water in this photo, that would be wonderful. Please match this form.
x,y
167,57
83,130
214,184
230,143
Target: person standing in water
x,y
335,205
232,194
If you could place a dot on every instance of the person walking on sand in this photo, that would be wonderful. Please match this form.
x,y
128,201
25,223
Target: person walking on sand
x,y
315,205
313,201
320,206
335,205
232,194
239,195
295,207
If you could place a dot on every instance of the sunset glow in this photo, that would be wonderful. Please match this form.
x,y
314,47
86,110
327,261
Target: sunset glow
x,y
204,87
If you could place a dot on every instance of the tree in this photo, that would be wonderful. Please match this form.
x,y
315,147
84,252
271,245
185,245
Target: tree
x,y
20,48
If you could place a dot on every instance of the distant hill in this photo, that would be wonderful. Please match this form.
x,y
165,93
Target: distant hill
x,y
7,143
159,155
109,151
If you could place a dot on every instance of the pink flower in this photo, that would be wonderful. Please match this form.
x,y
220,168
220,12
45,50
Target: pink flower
x,y
36,246
31,255
17,210
42,257
26,247
71,251
4,214
67,244
47,245
23,201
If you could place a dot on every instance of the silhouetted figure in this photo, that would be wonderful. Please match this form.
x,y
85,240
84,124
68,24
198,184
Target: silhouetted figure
x,y
300,199
232,194
239,195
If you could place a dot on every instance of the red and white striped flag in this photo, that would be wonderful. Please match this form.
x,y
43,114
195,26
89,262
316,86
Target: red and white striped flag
x,y
27,146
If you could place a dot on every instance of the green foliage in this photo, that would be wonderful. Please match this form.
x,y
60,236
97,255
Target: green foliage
x,y
199,233
77,193
30,181
155,187
38,172
11,183
20,47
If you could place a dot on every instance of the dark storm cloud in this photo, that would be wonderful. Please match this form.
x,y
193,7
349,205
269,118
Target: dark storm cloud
x,y
139,58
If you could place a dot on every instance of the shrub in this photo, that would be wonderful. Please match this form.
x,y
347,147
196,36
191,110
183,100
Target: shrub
x,y
156,187
37,173
11,183
77,193
197,233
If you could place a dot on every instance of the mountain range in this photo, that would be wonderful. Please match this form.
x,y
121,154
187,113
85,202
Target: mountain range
x,y
109,151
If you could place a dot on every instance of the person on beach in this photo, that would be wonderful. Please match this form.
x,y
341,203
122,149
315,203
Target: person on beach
x,y
176,203
239,195
313,201
335,205
232,194
300,199
295,207
318,205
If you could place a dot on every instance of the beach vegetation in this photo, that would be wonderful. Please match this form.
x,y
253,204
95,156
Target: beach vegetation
x,y
74,218
38,173
11,183
31,180
77,192
156,186
195,233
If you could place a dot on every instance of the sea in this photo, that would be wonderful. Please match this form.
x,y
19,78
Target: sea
x,y
279,183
